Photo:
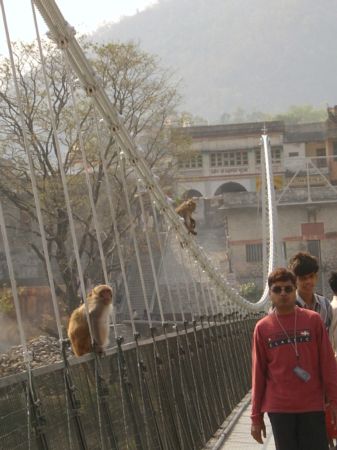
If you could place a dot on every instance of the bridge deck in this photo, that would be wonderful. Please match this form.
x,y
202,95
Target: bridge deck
x,y
237,432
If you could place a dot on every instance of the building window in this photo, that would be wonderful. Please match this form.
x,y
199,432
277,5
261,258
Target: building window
x,y
293,154
335,151
276,153
254,252
320,160
194,162
257,157
232,158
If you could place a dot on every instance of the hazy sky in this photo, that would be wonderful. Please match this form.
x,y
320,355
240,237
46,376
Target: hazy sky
x,y
84,15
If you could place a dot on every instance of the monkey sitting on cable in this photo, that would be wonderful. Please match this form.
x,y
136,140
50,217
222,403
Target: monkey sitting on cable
x,y
185,210
100,309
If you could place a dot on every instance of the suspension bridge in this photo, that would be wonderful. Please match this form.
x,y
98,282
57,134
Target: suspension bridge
x,y
170,379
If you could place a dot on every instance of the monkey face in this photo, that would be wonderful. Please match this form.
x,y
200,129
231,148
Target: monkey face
x,y
106,296
191,204
103,292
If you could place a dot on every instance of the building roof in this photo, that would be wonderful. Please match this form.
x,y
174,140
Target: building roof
x,y
305,132
317,131
207,131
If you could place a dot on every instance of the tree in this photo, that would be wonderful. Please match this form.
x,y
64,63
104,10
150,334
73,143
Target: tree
x,y
186,119
294,114
250,291
242,116
302,114
144,95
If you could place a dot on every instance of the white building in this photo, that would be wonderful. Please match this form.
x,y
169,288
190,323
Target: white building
x,y
224,171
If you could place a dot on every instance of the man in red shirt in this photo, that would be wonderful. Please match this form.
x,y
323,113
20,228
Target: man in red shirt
x,y
293,369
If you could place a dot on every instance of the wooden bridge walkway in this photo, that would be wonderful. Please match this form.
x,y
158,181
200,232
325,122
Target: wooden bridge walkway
x,y
234,433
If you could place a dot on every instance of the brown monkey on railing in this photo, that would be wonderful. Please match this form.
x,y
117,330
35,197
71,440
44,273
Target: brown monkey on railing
x,y
100,310
185,210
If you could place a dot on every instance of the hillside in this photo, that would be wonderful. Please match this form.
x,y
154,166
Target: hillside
x,y
254,54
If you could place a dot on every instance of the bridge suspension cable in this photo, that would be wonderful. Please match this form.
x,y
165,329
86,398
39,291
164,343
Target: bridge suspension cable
x,y
64,35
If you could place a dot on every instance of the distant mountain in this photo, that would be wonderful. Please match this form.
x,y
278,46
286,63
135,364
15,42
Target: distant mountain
x,y
255,54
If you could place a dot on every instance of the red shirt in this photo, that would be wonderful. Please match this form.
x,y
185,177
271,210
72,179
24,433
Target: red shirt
x,y
276,388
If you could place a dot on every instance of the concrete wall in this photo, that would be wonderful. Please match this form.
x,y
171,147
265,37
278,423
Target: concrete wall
x,y
245,227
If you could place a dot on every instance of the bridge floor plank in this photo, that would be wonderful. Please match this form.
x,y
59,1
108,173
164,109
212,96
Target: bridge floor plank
x,y
239,437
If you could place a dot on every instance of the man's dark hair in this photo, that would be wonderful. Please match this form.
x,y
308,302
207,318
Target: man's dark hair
x,y
333,282
281,274
303,263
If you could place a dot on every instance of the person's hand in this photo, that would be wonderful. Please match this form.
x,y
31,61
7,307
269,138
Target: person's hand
x,y
333,410
259,429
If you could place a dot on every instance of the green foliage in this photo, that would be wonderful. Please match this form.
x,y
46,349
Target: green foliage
x,y
242,116
250,291
302,114
6,303
186,119
295,114
6,300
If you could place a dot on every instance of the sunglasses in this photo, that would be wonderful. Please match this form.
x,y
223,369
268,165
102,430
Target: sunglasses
x,y
279,289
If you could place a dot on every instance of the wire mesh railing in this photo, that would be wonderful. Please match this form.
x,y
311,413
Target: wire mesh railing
x,y
162,393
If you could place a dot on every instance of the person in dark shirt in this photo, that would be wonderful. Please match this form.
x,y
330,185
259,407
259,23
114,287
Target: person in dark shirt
x,y
305,267
333,328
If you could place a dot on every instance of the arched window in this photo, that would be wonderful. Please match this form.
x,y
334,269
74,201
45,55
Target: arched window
x,y
230,187
191,193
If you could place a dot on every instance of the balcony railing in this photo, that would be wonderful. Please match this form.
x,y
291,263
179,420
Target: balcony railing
x,y
314,164
291,195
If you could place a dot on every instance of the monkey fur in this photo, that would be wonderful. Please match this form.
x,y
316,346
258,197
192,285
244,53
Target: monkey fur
x,y
185,210
100,309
